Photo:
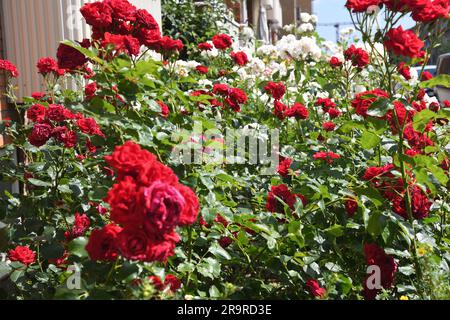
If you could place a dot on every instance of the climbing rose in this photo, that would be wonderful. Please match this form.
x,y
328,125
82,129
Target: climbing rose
x,y
279,109
361,5
168,45
297,111
170,281
358,56
426,76
430,10
80,225
70,58
164,109
404,70
222,41
36,113
47,65
284,166
335,62
329,126
10,68
403,42
22,254
102,245
282,192
326,103
90,89
89,126
191,208
122,43
277,90
40,134
364,100
97,14
328,156
351,206
202,69
205,46
240,58
315,289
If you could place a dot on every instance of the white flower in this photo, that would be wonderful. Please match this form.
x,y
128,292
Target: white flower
x,y
289,28
205,83
210,53
247,33
358,89
305,17
314,19
306,27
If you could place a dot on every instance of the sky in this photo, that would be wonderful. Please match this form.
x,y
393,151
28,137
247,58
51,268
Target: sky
x,y
331,11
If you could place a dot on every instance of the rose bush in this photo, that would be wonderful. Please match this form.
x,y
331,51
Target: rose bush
x,y
362,179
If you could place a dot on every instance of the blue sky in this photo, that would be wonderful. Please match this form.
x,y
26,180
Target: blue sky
x,y
330,11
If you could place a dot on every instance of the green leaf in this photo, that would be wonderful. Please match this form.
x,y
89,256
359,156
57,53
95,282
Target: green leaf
x,y
441,80
379,108
369,140
218,251
376,224
422,118
335,230
77,247
39,183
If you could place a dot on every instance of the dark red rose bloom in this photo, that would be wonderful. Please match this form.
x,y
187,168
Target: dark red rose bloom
x,y
240,58
162,204
404,70
9,68
122,43
297,111
89,126
358,56
284,166
70,58
420,204
162,249
430,10
326,103
123,200
90,89
164,109
403,42
388,268
102,245
80,225
282,192
315,289
36,113
236,97
40,134
335,62
397,5
202,69
168,45
351,206
149,37
205,46
222,41
221,89
361,5
133,244
225,242
364,100
170,281
426,76
145,19
22,254
97,14
47,65
329,126
279,109
401,115
61,260
191,208
334,113
277,90
38,95
327,156
64,135
58,113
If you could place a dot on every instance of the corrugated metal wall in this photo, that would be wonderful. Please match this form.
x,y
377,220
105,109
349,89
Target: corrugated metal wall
x,y
34,28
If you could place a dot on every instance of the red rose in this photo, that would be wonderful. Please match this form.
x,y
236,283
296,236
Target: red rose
x,y
327,156
90,89
235,98
122,199
189,213
11,69
220,88
315,289
404,70
358,56
161,249
335,62
363,100
36,113
222,41
164,109
80,225
403,42
162,204
122,43
22,254
65,136
420,204
388,268
145,19
133,244
170,281
40,134
97,14
102,245
202,69
121,9
426,76
326,103
70,58
205,46
277,90
282,192
351,206
58,113
168,45
240,58
149,37
279,109
334,113
284,166
38,95
361,5
429,10
329,126
89,126
297,111
47,65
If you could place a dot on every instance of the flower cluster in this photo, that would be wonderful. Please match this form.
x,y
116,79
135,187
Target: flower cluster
x,y
147,203
280,196
232,97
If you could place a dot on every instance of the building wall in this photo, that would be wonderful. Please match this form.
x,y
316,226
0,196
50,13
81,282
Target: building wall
x,y
4,107
290,9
